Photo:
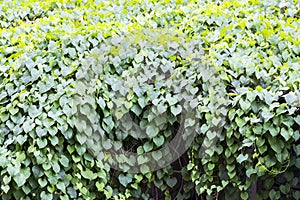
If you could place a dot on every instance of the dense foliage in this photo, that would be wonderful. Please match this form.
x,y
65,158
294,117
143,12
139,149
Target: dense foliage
x,y
253,45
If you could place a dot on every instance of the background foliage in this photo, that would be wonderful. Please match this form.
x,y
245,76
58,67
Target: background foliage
x,y
254,44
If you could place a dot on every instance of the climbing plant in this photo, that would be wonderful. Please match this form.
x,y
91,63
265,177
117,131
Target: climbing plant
x,y
252,46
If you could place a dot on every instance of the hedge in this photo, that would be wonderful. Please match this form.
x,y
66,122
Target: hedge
x,y
245,111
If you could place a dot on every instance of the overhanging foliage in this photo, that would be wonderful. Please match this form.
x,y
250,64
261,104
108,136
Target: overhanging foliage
x,y
254,45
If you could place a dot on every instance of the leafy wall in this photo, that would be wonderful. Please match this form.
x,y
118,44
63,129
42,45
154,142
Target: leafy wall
x,y
254,47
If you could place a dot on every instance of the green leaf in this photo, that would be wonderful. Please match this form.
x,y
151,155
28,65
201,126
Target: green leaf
x,y
297,119
141,159
101,102
35,74
276,145
297,149
4,117
6,179
157,155
159,141
245,105
240,122
262,149
171,182
81,138
139,58
260,141
40,131
21,139
125,180
176,110
211,166
144,169
100,186
72,52
266,114
67,134
42,182
250,171
231,114
274,130
232,174
22,176
148,146
64,160
161,108
258,129
142,102
171,100
136,109
273,194
230,168
33,111
5,188
13,111
251,96
88,174
268,98
241,158
54,140
28,126
244,195
152,131
55,167
297,163
211,134
61,186
140,150
286,134
45,196
296,195
48,122
42,142
290,98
